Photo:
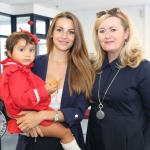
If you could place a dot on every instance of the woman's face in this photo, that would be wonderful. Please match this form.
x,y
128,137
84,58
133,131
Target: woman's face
x,y
63,34
111,35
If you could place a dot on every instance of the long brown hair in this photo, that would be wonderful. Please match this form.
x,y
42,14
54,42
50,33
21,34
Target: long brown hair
x,y
81,73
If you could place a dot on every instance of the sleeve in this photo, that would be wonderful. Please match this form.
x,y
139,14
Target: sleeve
x,y
144,90
23,94
2,107
75,113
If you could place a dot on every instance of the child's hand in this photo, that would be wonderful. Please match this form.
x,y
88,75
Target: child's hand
x,y
51,87
54,82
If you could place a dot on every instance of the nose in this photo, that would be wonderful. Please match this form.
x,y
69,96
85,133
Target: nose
x,y
107,35
27,53
64,35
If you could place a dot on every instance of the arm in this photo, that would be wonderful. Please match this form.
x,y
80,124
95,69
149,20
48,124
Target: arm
x,y
22,92
77,104
75,113
70,115
2,107
144,91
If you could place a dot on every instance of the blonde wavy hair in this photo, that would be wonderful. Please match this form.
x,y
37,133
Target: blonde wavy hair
x,y
81,72
131,54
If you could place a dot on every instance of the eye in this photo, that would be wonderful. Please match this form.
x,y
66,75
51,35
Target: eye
x,y
101,31
113,30
59,30
71,32
32,50
22,50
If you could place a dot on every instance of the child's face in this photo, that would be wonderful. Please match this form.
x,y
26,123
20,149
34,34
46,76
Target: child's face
x,y
23,53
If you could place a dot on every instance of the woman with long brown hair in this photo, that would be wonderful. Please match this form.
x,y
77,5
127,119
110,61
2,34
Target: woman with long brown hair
x,y
68,63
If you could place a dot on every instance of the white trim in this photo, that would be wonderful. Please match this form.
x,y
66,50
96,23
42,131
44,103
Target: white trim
x,y
37,95
13,63
10,63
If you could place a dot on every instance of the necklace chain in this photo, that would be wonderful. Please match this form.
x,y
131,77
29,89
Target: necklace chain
x,y
101,102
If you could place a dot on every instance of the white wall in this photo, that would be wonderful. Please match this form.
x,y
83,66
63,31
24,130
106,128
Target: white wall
x,y
36,9
23,9
45,11
87,19
4,8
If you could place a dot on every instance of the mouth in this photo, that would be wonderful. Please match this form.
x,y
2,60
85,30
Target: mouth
x,y
63,42
27,60
108,42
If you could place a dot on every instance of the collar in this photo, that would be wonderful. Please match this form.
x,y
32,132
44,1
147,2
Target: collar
x,y
113,65
10,61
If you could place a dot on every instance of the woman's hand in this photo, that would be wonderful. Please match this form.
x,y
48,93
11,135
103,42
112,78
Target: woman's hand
x,y
34,132
30,120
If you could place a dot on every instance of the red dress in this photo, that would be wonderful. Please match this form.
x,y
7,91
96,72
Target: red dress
x,y
20,89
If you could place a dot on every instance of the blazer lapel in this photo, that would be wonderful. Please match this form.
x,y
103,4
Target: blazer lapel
x,y
66,93
43,74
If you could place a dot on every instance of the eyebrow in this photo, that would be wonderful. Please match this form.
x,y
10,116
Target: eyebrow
x,y
109,27
32,47
113,27
22,46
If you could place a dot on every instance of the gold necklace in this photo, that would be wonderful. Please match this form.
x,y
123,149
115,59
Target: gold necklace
x,y
100,114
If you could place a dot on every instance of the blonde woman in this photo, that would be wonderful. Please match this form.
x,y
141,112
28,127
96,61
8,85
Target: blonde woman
x,y
120,112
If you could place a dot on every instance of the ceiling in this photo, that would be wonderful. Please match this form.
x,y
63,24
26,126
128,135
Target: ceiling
x,y
78,5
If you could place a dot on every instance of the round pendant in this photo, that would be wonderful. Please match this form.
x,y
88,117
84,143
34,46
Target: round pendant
x,y
100,114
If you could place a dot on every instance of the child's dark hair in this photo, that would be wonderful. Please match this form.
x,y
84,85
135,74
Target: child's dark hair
x,y
14,38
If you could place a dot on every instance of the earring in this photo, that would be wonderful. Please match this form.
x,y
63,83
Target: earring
x,y
125,42
51,36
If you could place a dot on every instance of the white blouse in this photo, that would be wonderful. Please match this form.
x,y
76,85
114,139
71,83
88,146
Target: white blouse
x,y
56,99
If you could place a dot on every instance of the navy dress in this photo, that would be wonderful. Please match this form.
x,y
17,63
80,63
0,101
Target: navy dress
x,y
126,125
70,106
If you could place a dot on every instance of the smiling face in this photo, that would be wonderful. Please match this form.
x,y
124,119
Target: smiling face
x,y
63,34
22,52
112,35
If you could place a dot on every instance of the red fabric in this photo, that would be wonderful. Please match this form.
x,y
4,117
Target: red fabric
x,y
86,115
16,90
31,22
36,40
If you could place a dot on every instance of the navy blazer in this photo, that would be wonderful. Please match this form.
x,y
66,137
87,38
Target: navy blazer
x,y
70,106
126,125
